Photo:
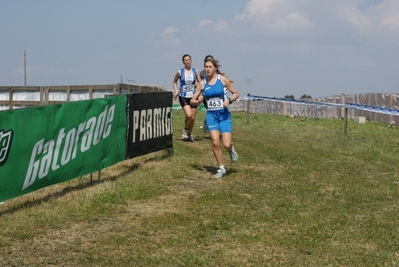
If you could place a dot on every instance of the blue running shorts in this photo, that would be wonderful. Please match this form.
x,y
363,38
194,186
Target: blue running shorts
x,y
220,121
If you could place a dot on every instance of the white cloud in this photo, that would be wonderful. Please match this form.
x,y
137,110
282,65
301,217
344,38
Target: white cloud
x,y
220,25
205,22
256,9
392,22
387,14
168,36
277,16
292,21
371,19
380,20
170,30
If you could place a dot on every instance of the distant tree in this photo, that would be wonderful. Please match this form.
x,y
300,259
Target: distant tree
x,y
305,96
289,97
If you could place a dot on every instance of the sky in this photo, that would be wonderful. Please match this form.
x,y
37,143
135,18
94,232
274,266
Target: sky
x,y
269,48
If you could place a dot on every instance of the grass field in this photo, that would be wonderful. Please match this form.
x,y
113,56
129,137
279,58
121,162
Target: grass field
x,y
301,194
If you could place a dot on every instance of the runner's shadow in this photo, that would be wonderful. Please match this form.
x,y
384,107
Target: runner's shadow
x,y
196,138
212,169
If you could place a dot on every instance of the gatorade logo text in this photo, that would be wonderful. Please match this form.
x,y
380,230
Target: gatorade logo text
x,y
49,155
5,145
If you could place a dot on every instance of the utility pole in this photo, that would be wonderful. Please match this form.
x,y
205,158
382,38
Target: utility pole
x,y
25,67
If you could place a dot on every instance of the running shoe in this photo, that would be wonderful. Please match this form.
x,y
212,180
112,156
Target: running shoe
x,y
190,138
220,173
233,154
184,134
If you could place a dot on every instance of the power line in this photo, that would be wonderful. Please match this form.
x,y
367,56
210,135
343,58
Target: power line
x,y
4,70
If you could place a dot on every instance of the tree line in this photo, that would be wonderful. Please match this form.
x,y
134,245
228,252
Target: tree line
x,y
304,96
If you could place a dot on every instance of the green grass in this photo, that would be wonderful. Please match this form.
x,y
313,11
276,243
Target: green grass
x,y
301,194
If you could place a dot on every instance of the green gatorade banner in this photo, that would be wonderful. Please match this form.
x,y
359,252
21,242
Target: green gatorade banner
x,y
46,145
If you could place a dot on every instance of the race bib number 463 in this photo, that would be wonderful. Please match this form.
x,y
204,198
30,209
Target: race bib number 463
x,y
215,104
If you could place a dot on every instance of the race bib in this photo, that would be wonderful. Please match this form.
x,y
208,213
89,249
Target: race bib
x,y
215,103
188,88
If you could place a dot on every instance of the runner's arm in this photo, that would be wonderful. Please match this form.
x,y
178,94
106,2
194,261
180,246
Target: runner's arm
x,y
174,83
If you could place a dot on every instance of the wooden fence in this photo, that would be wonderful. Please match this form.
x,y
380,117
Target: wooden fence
x,y
13,97
303,109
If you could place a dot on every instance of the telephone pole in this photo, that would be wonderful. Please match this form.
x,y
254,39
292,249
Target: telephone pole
x,y
25,67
